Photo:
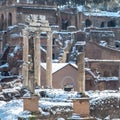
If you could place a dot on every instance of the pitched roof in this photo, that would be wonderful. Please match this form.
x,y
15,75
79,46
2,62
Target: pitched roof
x,y
58,66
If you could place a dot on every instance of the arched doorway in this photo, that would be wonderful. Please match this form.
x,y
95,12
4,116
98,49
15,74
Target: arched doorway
x,y
88,23
102,24
2,22
68,82
65,24
9,19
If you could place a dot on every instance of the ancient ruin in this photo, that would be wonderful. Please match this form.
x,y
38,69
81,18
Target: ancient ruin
x,y
45,45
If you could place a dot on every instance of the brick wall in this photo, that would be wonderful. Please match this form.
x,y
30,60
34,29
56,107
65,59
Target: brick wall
x,y
95,51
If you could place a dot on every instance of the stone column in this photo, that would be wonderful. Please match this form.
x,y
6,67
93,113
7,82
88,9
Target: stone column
x,y
25,58
49,61
37,58
81,72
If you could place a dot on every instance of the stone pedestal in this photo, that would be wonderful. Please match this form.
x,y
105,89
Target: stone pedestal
x,y
81,106
31,104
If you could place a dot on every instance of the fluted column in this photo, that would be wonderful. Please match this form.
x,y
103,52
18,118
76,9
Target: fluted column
x,y
25,58
49,61
81,72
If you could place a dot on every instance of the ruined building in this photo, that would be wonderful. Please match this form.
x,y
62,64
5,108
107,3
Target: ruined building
x,y
16,11
74,29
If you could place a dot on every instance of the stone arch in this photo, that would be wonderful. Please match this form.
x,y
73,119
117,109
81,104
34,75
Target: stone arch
x,y
66,81
2,22
9,19
111,23
88,23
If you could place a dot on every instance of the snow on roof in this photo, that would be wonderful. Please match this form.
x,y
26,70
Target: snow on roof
x,y
100,60
102,13
58,66
40,8
81,8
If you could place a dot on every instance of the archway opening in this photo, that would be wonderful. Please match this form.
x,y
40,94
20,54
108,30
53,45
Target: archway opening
x,y
2,22
65,24
111,23
102,24
88,23
9,19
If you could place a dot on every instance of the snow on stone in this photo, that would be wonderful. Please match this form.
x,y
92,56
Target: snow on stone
x,y
14,51
16,48
55,98
43,49
81,8
108,78
6,65
11,27
10,110
99,95
102,13
14,35
11,55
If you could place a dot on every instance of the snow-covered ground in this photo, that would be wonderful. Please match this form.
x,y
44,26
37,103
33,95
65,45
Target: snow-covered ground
x,y
54,97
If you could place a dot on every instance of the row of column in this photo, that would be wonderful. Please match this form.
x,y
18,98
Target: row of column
x,y
34,80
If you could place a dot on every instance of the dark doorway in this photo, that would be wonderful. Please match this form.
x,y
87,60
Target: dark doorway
x,y
88,23
102,24
111,23
9,19
65,24
2,22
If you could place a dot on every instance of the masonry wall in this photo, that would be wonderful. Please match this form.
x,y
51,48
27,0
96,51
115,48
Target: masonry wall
x,y
94,51
67,76
50,13
5,13
104,69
